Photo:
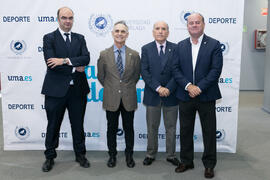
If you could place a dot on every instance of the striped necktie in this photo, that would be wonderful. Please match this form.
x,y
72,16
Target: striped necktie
x,y
119,63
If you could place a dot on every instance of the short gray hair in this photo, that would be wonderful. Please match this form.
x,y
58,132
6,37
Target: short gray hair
x,y
121,22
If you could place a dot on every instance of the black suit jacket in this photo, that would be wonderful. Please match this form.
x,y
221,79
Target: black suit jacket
x,y
57,80
207,70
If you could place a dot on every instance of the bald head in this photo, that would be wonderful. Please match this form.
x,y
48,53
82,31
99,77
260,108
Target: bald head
x,y
63,9
161,22
65,18
160,31
195,25
196,15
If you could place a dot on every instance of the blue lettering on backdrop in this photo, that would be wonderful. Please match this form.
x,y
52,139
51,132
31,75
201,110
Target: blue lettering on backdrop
x,y
97,95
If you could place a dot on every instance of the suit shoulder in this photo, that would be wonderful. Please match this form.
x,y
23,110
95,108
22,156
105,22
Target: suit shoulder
x,y
171,44
212,39
79,36
148,45
49,35
103,52
134,52
183,42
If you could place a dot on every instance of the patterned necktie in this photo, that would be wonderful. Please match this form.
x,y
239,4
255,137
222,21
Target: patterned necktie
x,y
68,43
162,55
119,63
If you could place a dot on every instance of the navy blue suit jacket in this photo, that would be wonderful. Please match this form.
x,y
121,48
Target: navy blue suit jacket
x,y
155,75
57,79
207,70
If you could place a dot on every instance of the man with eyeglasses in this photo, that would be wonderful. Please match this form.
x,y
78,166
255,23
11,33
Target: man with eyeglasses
x,y
118,73
65,87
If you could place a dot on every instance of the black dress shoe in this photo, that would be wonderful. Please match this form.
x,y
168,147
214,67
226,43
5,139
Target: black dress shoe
x,y
81,159
111,162
183,167
130,161
148,161
47,165
209,173
174,161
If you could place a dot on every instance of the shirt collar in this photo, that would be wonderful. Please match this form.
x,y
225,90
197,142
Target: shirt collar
x,y
158,45
63,33
199,40
122,49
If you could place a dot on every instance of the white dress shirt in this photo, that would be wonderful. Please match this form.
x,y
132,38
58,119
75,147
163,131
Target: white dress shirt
x,y
194,51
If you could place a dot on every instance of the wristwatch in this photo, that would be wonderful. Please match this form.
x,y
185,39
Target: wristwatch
x,y
65,60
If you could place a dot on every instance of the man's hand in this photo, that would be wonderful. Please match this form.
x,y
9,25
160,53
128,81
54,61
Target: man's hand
x,y
163,92
80,68
53,62
193,90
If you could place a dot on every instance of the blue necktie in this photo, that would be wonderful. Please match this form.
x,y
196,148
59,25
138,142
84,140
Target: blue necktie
x,y
68,43
162,56
119,63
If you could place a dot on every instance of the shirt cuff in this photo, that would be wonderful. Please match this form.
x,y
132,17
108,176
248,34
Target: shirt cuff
x,y
187,85
69,62
158,88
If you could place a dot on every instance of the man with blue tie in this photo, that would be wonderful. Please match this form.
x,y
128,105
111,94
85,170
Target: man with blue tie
x,y
159,93
65,86
118,73
196,71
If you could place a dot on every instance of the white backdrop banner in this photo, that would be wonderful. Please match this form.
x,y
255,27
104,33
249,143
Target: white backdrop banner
x,y
23,24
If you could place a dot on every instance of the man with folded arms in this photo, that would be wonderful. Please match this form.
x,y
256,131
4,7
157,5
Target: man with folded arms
x,y
65,86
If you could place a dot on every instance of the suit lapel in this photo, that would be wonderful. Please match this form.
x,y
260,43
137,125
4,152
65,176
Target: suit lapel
x,y
202,49
168,54
111,58
128,59
74,42
189,54
155,54
62,44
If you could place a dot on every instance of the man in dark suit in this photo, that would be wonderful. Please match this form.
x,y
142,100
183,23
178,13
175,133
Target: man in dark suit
x,y
118,73
159,92
65,86
197,71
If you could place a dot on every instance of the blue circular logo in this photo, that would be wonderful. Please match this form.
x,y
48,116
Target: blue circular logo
x,y
220,134
101,23
22,133
18,46
184,15
224,46
120,132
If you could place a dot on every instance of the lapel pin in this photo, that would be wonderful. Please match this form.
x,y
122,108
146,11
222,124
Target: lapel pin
x,y
204,42
130,54
169,50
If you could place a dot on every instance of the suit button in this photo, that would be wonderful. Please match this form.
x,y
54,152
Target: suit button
x,y
120,81
119,91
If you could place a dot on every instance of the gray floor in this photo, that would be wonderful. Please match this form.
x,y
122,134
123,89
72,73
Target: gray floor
x,y
251,162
